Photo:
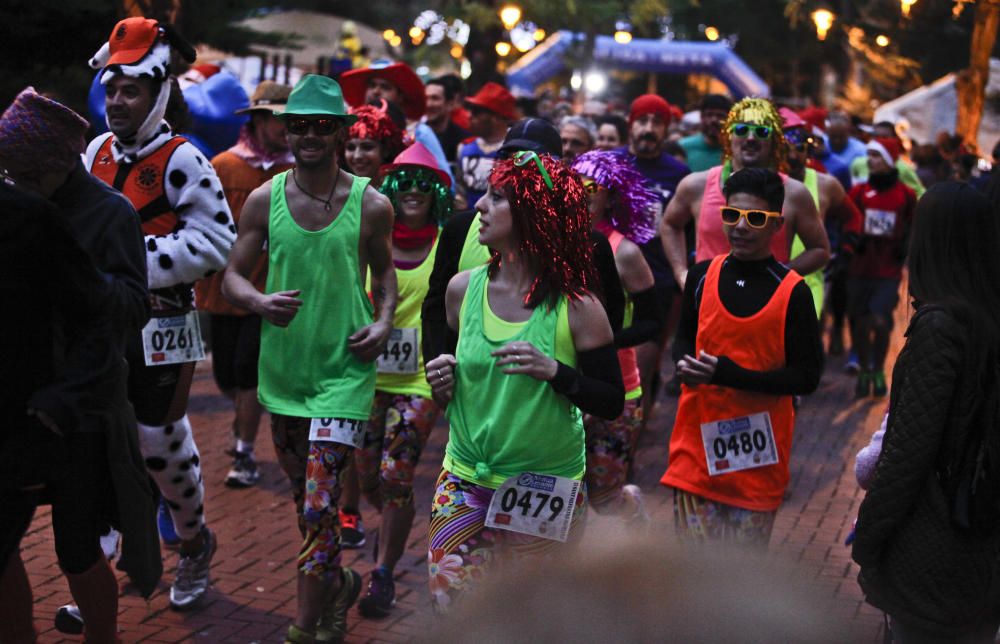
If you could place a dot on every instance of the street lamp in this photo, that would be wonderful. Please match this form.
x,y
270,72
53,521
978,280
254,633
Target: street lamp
x,y
623,32
882,40
389,34
712,33
904,6
823,18
510,15
503,48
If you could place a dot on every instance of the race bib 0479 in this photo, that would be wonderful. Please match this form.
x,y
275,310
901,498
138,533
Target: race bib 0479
x,y
173,339
739,443
539,505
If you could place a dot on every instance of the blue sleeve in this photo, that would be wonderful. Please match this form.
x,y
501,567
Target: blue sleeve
x,y
423,133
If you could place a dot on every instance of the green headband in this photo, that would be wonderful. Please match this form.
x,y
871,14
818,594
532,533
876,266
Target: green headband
x,y
526,156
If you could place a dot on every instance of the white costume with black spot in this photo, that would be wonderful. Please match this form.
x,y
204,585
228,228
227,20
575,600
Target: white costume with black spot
x,y
197,246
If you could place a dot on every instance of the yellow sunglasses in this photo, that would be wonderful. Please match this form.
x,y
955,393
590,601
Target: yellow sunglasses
x,y
755,218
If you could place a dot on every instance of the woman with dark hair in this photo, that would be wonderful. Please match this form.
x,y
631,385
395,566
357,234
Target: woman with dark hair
x,y
612,132
534,350
928,531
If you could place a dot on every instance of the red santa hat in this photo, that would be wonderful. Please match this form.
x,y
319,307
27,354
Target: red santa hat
x,y
888,148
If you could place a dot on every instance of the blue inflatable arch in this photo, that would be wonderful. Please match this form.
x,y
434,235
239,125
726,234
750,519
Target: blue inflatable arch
x,y
672,57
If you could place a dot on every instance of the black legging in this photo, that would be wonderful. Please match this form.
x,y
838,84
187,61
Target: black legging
x,y
78,492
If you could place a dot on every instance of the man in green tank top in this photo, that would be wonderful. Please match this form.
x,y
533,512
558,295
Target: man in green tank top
x,y
324,229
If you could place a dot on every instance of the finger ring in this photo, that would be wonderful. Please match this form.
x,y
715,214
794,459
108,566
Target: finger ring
x,y
439,375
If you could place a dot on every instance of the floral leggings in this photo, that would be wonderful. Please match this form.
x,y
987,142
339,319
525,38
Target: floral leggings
x,y
699,520
314,469
610,450
462,549
396,435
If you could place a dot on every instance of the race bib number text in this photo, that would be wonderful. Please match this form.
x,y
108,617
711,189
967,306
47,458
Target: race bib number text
x,y
879,223
739,443
345,431
539,505
400,355
171,340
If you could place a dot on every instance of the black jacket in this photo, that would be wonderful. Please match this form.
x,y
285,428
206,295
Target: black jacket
x,y
107,227
916,564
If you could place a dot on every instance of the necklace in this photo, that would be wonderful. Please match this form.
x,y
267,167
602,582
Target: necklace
x,y
326,202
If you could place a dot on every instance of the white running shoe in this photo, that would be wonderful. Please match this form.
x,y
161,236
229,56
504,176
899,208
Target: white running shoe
x,y
191,581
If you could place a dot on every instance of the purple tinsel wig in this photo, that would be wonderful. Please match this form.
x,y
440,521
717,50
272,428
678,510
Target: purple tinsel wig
x,y
632,201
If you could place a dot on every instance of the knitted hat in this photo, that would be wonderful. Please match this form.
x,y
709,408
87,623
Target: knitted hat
x,y
650,104
888,149
39,135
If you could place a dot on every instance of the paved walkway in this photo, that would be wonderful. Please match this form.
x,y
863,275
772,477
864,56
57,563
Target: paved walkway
x,y
252,595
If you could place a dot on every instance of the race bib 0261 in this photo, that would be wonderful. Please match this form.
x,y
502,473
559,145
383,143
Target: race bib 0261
x,y
345,431
539,505
173,339
739,443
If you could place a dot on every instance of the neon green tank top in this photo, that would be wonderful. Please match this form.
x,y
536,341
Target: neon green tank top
x,y
473,253
503,425
813,280
305,368
413,284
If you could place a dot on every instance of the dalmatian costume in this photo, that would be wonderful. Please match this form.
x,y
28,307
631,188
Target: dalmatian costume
x,y
188,232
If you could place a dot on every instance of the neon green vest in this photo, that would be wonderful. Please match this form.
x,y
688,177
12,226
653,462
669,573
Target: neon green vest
x,y
413,287
503,425
813,280
305,368
473,253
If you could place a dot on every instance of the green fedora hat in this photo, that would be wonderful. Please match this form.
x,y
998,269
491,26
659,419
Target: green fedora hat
x,y
316,95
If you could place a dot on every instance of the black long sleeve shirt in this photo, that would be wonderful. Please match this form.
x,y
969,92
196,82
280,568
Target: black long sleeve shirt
x,y
745,287
437,338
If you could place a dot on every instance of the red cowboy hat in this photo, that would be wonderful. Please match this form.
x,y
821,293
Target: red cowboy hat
x,y
355,84
495,98
417,155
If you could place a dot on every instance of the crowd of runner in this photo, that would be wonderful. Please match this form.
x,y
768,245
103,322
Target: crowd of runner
x,y
375,252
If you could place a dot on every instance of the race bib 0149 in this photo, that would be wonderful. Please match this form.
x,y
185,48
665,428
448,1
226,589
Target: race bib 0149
x,y
400,354
173,339
739,443
539,505
345,431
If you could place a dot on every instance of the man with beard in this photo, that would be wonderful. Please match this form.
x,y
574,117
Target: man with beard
x,y
260,153
324,229
703,150
649,117
752,138
491,111
837,212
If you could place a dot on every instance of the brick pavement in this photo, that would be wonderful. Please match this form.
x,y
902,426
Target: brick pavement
x,y
252,594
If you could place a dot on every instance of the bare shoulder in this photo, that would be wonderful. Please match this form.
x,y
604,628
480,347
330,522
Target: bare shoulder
x,y
585,308
795,188
257,207
458,285
830,186
694,183
374,203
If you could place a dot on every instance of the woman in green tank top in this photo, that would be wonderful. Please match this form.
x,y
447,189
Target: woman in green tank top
x,y
534,350
403,413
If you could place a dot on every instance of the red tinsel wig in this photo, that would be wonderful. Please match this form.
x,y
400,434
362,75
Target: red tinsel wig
x,y
376,124
548,206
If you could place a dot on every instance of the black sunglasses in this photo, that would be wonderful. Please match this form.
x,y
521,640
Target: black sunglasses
x,y
423,185
322,127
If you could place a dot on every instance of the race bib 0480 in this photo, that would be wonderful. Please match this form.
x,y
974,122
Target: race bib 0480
x,y
739,443
345,431
171,340
400,355
539,505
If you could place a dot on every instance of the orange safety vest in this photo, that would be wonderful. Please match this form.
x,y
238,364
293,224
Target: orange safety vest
x,y
756,342
142,184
